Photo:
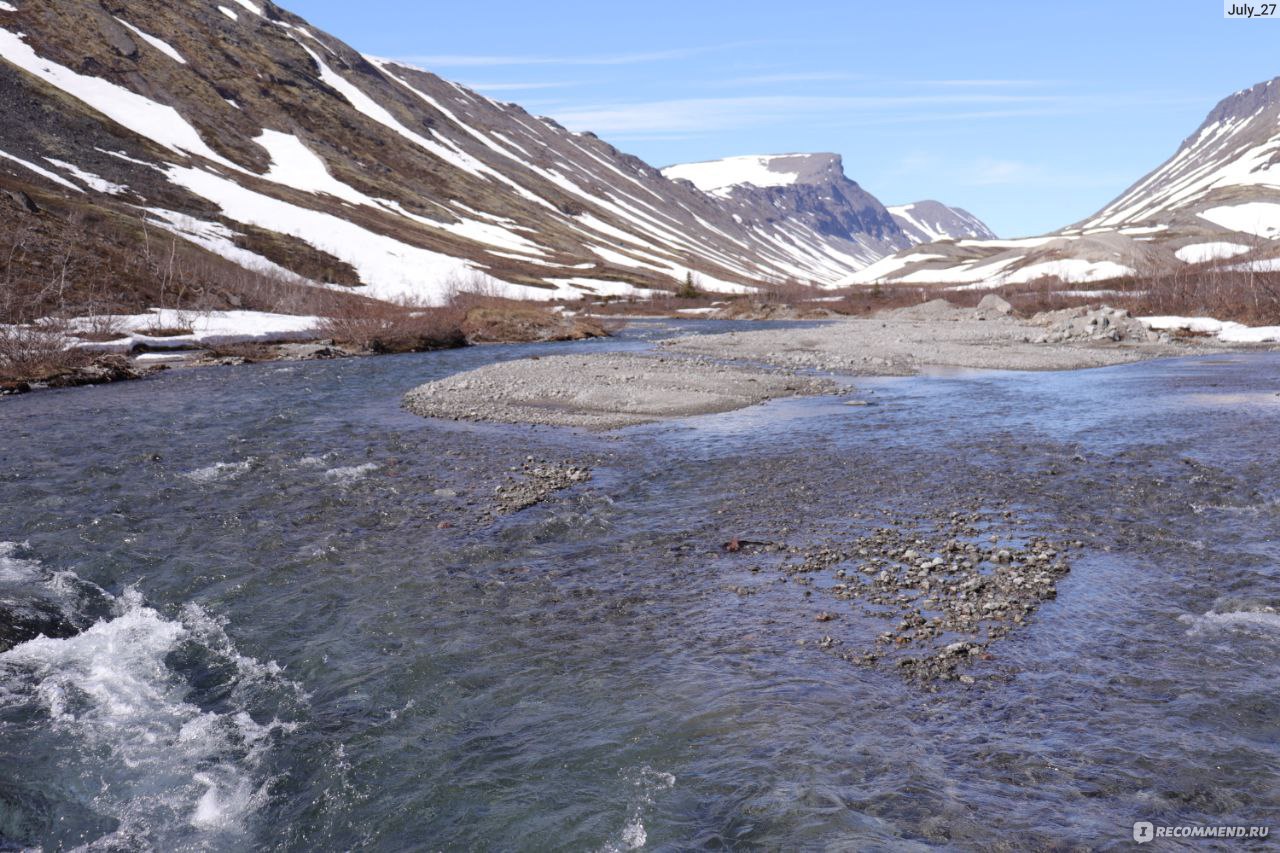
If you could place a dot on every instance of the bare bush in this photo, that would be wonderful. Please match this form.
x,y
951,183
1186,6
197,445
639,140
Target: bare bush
x,y
99,327
787,291
1223,291
37,351
402,326
472,288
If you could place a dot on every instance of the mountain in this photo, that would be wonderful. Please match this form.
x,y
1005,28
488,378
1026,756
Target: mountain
x,y
810,196
246,132
926,221
1216,198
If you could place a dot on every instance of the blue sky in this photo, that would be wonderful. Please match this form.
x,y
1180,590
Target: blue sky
x,y
1031,115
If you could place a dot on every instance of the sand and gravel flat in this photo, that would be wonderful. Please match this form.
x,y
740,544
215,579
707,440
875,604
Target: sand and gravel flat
x,y
704,374
604,391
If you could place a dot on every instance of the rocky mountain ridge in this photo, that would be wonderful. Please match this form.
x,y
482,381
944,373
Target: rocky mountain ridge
x,y
246,132
1215,201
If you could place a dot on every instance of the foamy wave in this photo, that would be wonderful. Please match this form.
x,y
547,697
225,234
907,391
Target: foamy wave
x,y
352,473
648,782
14,569
1235,615
168,770
219,471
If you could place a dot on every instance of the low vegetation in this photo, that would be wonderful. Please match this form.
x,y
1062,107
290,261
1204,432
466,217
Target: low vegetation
x,y
389,327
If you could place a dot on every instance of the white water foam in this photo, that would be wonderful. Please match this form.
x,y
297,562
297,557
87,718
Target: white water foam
x,y
14,569
648,783
173,774
350,474
219,471
1235,615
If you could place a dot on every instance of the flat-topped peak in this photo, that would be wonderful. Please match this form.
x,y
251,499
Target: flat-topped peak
x,y
759,170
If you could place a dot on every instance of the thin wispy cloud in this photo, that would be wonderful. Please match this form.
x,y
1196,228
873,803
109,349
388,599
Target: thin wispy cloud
x,y
712,114
520,87
989,172
791,77
706,114
1000,84
499,60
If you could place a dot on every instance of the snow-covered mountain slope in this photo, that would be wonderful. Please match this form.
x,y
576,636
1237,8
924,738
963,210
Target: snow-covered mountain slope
x,y
828,218
1226,174
926,221
253,135
1217,199
720,177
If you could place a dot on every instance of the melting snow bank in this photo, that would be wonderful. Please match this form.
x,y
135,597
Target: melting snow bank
x,y
164,728
1224,330
206,328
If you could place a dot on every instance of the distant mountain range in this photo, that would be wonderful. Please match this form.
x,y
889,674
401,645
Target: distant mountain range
x,y
245,131
1217,199
810,196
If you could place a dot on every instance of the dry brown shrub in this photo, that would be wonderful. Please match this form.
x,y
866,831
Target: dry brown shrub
x,y
37,351
401,326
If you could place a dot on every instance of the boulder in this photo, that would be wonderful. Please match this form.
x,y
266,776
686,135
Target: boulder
x,y
993,303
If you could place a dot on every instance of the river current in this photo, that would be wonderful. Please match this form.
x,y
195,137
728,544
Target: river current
x,y
299,623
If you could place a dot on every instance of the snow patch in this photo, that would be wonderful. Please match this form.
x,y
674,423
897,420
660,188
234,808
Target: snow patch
x,y
162,124
885,267
295,165
89,179
1224,330
1069,269
216,238
41,171
229,13
1260,218
208,328
716,176
158,43
1200,253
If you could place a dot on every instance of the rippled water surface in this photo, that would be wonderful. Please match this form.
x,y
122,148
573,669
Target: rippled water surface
x,y
298,625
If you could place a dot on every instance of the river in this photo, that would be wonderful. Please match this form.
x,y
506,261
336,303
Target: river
x,y
302,625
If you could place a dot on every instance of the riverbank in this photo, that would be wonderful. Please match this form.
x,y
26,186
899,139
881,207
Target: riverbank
x,y
113,348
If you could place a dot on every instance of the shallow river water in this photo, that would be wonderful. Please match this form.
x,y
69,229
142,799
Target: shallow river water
x,y
305,627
